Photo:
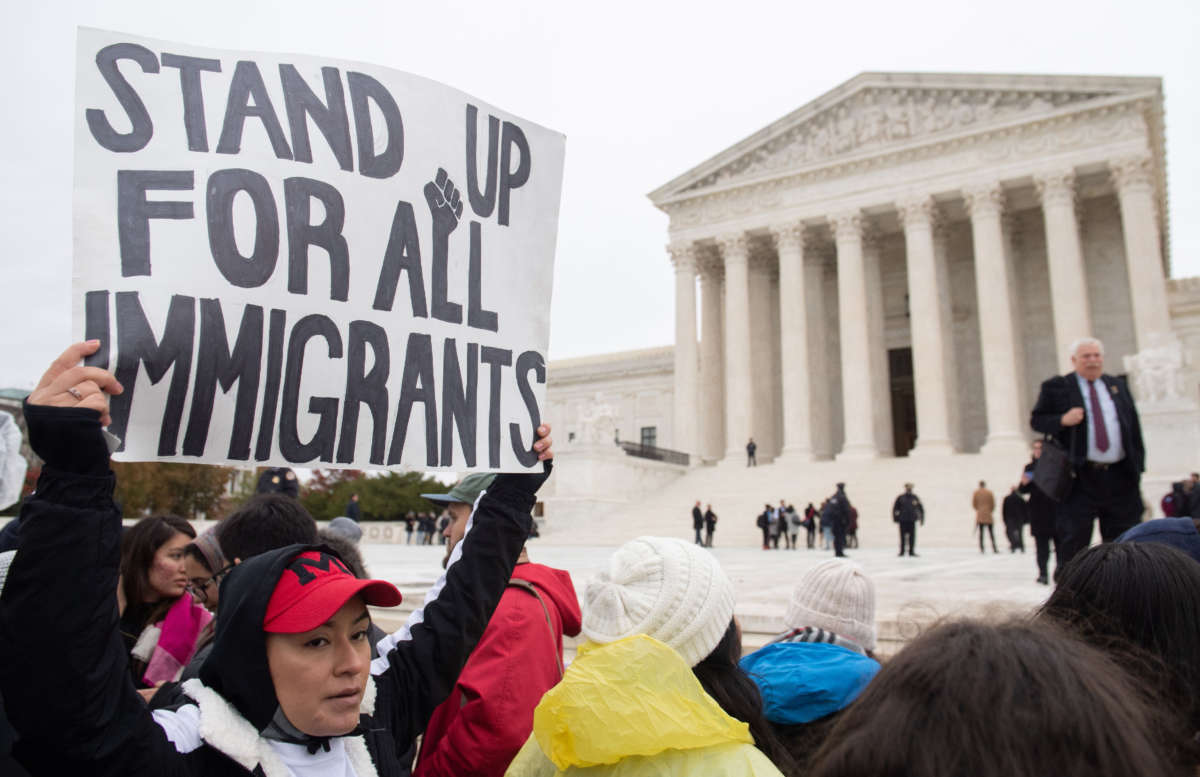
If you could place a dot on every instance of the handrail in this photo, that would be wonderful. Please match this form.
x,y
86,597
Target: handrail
x,y
656,454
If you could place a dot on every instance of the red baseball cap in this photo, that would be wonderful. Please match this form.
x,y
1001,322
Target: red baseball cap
x,y
313,587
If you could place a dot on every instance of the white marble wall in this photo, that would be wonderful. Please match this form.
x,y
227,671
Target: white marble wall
x,y
638,386
1184,296
1108,279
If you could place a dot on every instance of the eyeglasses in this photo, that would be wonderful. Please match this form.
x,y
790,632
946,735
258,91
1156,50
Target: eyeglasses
x,y
198,586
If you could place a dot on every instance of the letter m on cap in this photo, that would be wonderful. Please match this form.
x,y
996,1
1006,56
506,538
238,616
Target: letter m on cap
x,y
303,567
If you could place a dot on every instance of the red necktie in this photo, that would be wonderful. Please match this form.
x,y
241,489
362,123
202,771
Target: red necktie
x,y
1098,419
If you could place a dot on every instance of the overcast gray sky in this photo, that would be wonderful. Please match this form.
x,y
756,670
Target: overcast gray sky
x,y
643,91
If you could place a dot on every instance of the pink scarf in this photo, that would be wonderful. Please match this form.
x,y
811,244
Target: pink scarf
x,y
177,642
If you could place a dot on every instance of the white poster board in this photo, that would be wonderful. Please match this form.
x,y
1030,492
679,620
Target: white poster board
x,y
296,261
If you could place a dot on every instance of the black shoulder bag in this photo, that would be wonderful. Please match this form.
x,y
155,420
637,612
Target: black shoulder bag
x,y
1053,474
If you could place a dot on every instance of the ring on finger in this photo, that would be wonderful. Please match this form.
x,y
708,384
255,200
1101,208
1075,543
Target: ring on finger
x,y
74,392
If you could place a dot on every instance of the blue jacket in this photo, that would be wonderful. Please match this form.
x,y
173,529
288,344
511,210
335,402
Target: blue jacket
x,y
803,681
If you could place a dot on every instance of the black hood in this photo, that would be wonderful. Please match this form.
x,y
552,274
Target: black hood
x,y
237,666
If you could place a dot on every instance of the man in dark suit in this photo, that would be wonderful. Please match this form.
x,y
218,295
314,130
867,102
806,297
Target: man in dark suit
x,y
697,522
1093,417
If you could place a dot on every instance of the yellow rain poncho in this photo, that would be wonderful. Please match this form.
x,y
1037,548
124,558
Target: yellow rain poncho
x,y
634,707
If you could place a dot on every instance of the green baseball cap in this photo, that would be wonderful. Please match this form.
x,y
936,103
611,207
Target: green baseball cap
x,y
466,490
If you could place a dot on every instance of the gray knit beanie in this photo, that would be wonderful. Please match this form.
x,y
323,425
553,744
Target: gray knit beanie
x,y
835,595
666,588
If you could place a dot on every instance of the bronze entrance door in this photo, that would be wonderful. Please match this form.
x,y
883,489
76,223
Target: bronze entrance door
x,y
904,399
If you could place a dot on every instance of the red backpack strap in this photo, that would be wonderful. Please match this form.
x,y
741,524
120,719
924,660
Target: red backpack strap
x,y
525,585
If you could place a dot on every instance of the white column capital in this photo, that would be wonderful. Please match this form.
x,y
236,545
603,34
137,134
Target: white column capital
x,y
984,199
847,225
789,237
1132,173
918,210
683,256
710,267
734,247
1056,187
872,238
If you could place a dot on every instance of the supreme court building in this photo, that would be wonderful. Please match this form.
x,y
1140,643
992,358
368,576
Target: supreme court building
x,y
893,268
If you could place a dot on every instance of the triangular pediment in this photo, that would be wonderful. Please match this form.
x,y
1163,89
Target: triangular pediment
x,y
876,112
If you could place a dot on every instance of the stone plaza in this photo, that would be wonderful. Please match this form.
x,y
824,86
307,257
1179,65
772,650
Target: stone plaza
x,y
911,592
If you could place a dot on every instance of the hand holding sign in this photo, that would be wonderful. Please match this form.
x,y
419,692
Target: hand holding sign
x,y
67,383
544,444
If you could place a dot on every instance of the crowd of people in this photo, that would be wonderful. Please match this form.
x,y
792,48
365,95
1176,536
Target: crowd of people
x,y
427,526
249,649
836,521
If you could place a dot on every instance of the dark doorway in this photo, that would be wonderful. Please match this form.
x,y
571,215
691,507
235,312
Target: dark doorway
x,y
904,400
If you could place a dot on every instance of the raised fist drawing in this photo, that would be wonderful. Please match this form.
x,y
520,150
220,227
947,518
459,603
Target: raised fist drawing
x,y
445,204
445,207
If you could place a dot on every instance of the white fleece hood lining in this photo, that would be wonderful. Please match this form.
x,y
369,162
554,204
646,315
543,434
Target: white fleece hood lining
x,y
223,728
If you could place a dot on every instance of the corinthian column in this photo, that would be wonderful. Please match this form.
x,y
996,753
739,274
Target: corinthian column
x,y
881,394
853,315
821,423
793,336
997,332
930,330
712,375
1068,279
1134,181
683,256
738,412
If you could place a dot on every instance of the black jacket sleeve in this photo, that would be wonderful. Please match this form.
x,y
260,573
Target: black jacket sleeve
x,y
422,671
1053,400
63,667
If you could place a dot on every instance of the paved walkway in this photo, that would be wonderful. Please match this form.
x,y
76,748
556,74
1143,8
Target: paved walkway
x,y
911,592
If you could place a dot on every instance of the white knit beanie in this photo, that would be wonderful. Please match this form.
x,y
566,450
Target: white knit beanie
x,y
835,595
666,588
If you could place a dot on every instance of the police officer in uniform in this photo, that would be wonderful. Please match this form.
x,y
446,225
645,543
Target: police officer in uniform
x,y
907,510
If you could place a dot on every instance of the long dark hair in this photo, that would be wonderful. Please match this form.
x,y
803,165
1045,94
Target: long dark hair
x,y
1139,601
737,694
997,700
139,543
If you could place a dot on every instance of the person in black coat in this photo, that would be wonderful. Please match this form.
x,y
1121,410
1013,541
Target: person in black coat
x,y
839,512
907,510
810,524
698,522
1015,516
1041,509
1093,417
710,526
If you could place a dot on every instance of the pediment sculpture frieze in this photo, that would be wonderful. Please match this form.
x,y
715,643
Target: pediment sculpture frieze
x,y
880,117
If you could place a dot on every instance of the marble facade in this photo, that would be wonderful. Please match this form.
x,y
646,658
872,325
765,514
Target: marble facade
x,y
899,263
892,270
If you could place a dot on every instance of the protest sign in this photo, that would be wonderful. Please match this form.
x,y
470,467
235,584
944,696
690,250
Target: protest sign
x,y
301,261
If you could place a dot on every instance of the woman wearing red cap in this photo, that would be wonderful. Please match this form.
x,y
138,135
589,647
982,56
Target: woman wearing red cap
x,y
288,690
